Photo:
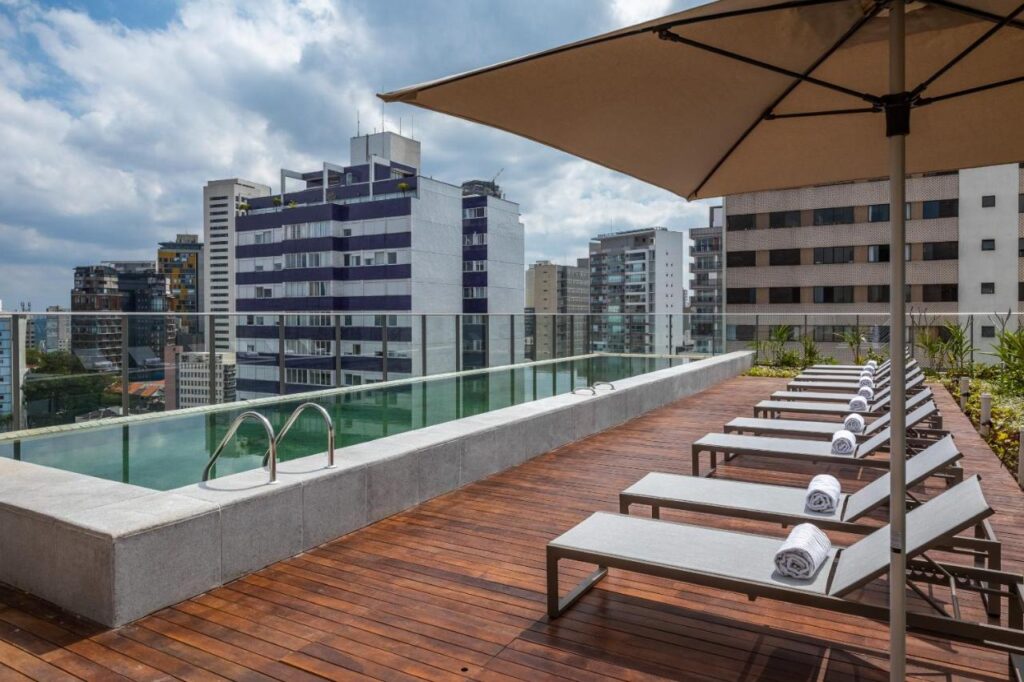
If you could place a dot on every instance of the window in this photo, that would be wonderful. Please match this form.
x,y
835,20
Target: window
x,y
939,293
740,332
988,287
474,266
839,215
264,292
1020,291
878,213
878,293
746,221
988,244
392,257
741,259
738,296
833,294
784,294
301,289
778,219
833,254
988,331
941,208
1020,203
941,250
474,239
784,257
304,260
263,237
829,332
474,292
474,212
878,253
988,201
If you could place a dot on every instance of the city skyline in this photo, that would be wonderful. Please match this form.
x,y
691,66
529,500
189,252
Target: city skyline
x,y
130,143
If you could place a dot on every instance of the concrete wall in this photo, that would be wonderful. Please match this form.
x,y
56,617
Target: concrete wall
x,y
114,552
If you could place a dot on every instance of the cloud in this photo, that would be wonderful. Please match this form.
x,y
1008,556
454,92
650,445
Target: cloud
x,y
110,128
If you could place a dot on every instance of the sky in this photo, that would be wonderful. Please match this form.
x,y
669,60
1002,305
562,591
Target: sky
x,y
114,114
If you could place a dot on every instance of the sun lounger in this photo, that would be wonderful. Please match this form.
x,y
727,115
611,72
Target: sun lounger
x,y
776,408
835,371
840,384
731,445
841,396
822,430
883,365
743,563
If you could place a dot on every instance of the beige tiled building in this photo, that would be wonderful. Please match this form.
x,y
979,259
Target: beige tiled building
x,y
817,258
557,304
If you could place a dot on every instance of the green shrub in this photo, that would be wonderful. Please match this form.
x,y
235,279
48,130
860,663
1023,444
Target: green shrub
x,y
777,372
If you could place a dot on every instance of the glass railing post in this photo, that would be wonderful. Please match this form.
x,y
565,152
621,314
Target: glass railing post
x,y
384,347
280,356
970,323
669,334
554,336
458,343
512,339
487,341
337,350
211,361
423,343
16,361
572,335
125,406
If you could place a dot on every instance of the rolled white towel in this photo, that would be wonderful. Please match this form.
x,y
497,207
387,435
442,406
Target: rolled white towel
x,y
872,364
858,404
843,442
866,381
854,423
866,392
803,552
867,373
823,494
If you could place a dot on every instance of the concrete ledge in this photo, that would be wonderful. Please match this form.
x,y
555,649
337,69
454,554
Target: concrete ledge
x,y
114,552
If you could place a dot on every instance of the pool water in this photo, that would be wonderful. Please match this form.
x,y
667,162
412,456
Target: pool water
x,y
171,452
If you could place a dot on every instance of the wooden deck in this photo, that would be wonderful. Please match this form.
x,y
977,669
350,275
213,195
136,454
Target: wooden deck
x,y
454,589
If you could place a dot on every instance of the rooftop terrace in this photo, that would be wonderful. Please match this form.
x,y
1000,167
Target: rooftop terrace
x,y
454,589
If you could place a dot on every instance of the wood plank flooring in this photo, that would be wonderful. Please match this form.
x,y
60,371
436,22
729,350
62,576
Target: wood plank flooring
x,y
454,590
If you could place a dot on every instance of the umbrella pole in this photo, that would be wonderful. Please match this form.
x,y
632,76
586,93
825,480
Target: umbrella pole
x,y
896,131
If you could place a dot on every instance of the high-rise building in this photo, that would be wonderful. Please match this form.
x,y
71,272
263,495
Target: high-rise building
x,y
181,262
96,339
58,330
638,286
144,290
190,386
12,368
492,274
707,283
824,252
222,202
552,293
358,248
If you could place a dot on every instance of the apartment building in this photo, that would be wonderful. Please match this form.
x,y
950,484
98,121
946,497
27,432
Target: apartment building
x,y
707,284
181,263
12,367
553,293
96,339
352,255
638,285
190,386
223,200
823,253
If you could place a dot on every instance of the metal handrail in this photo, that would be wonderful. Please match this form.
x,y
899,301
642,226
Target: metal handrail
x,y
294,417
592,390
603,383
271,453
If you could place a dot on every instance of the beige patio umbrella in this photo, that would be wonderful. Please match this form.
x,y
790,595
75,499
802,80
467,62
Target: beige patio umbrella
x,y
744,95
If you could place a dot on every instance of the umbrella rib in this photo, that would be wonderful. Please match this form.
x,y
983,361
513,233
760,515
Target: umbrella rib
x,y
857,25
980,40
825,112
974,12
924,101
800,77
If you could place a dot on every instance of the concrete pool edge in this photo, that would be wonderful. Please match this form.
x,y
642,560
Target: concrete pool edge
x,y
114,552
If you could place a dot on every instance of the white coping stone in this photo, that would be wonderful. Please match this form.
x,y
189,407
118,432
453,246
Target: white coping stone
x,y
115,537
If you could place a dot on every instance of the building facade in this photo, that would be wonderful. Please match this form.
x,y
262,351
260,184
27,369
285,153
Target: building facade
x,y
638,285
817,259
57,330
707,282
351,256
557,309
223,200
12,367
191,384
181,263
96,338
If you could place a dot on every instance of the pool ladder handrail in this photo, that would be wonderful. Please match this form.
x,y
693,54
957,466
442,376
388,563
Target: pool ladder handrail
x,y
602,383
238,421
294,417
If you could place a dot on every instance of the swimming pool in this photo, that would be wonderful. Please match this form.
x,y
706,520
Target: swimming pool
x,y
170,452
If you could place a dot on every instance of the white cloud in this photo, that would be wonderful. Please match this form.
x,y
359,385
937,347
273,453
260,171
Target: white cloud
x,y
629,12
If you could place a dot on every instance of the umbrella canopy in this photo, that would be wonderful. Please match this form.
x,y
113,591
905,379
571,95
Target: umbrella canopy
x,y
710,101
745,95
